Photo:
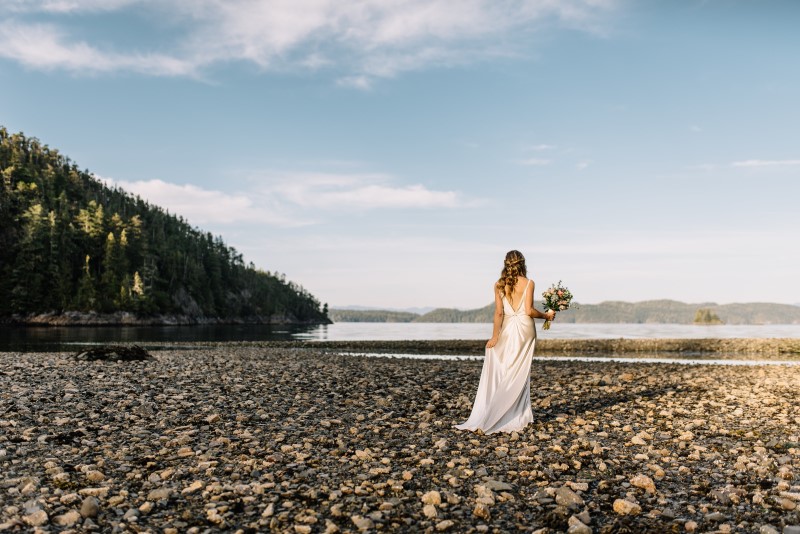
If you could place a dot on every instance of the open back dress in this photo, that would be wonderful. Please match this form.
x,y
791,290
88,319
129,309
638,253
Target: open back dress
x,y
503,400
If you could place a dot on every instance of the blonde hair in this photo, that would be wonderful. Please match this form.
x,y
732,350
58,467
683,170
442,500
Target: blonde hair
x,y
513,267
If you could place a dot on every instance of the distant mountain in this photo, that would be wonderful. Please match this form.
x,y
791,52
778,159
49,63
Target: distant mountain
x,y
649,311
452,315
414,310
371,316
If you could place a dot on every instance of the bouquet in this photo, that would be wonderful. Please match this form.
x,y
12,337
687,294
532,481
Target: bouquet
x,y
556,298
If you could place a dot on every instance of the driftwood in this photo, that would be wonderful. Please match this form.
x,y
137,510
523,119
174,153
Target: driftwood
x,y
114,353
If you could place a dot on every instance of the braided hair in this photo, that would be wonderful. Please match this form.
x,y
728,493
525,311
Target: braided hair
x,y
513,267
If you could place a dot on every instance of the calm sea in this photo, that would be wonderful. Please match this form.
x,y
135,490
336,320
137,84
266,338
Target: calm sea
x,y
59,338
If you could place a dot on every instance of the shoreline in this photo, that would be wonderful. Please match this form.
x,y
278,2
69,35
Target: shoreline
x,y
80,319
766,348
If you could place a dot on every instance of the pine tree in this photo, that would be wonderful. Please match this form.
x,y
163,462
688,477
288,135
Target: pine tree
x,y
86,297
60,250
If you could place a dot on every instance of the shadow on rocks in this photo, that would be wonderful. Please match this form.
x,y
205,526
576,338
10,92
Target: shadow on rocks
x,y
116,353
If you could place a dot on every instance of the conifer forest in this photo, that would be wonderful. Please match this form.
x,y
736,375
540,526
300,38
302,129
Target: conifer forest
x,y
68,242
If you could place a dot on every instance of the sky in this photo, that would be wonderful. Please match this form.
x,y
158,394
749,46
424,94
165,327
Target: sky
x,y
388,153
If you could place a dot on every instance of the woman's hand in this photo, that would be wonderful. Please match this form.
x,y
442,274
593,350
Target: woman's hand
x,y
491,343
550,315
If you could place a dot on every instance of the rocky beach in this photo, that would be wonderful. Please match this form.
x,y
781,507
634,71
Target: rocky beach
x,y
247,438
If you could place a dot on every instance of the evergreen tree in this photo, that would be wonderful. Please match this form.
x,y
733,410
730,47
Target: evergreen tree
x,y
60,250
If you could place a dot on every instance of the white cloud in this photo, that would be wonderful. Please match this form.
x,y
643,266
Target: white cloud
x,y
290,199
65,6
45,47
361,40
766,163
581,165
356,82
534,162
543,146
358,191
203,206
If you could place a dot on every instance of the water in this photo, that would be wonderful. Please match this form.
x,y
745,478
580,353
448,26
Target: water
x,y
603,359
44,338
69,338
401,331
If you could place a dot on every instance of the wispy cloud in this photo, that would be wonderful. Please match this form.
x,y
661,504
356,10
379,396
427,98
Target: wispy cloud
x,y
534,162
291,199
362,41
46,47
542,147
766,163
746,164
358,192
203,206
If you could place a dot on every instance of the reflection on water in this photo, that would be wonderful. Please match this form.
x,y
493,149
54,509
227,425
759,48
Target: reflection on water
x,y
67,338
402,331
684,361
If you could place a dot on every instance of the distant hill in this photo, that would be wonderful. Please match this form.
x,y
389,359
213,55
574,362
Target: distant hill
x,y
370,316
72,247
418,310
452,315
649,311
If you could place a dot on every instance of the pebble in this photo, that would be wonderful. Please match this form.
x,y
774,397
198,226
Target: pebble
x,y
68,519
481,511
644,482
191,488
90,507
36,518
432,497
567,497
444,525
625,507
192,441
95,476
159,494
429,511
576,526
362,523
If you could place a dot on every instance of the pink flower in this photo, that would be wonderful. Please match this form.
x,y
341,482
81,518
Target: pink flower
x,y
560,293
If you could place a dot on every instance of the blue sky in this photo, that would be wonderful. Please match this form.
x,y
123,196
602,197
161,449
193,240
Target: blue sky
x,y
388,153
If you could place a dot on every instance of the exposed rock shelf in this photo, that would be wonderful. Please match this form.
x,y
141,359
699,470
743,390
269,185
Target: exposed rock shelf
x,y
303,441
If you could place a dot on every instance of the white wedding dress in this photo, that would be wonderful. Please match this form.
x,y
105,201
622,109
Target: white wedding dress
x,y
503,401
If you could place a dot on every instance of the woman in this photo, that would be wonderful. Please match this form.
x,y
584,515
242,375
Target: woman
x,y
503,401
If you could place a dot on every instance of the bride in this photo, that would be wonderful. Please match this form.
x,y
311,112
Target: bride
x,y
503,400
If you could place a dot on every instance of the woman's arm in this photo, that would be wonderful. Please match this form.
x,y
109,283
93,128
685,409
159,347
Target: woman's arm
x,y
498,318
533,312
529,297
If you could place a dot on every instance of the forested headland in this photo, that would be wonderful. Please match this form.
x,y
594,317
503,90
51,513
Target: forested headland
x,y
72,247
648,311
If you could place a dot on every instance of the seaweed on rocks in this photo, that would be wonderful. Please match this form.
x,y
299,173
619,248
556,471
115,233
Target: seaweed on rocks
x,y
117,353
